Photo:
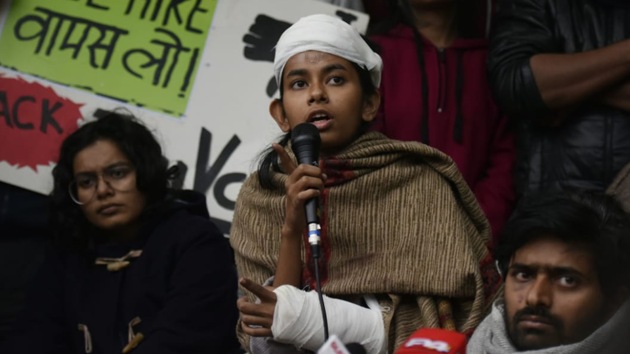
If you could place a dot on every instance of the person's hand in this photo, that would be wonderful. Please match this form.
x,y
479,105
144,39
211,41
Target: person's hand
x,y
304,182
256,319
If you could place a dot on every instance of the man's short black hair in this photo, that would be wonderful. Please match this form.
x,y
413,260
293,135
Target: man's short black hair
x,y
590,218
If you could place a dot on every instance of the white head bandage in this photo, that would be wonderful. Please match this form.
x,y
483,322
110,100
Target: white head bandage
x,y
330,35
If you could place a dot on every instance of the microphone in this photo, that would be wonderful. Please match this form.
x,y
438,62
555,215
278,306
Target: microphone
x,y
434,341
305,142
334,346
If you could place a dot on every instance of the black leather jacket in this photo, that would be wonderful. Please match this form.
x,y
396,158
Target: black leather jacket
x,y
593,144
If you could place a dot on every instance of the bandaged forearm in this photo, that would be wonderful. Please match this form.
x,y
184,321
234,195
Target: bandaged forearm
x,y
298,320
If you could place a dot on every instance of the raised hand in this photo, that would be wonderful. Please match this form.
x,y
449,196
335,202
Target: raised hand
x,y
304,182
256,319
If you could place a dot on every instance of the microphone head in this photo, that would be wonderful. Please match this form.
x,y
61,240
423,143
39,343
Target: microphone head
x,y
434,341
305,142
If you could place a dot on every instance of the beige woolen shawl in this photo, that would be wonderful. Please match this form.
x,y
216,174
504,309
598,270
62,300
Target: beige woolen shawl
x,y
398,221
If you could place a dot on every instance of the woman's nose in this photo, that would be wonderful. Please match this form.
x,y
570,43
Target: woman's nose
x,y
317,94
102,186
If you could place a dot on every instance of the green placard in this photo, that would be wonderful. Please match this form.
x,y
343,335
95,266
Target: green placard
x,y
144,52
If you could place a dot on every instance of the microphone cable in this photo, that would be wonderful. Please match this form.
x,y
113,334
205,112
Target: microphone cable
x,y
318,284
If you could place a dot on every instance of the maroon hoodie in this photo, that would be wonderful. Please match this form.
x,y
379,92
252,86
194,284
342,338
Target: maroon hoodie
x,y
444,101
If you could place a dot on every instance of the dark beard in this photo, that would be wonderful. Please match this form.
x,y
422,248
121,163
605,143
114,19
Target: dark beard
x,y
516,335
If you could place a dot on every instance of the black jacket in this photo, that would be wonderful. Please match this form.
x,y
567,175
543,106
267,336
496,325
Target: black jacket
x,y
593,144
182,288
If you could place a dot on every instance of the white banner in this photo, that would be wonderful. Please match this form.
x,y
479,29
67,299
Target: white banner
x,y
224,126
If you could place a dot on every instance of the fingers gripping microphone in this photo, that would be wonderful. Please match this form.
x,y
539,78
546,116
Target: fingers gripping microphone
x,y
305,142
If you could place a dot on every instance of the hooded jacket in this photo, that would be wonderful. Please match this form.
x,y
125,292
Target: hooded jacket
x,y
444,101
180,293
593,143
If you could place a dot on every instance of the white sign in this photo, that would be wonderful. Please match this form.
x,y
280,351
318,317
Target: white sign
x,y
226,123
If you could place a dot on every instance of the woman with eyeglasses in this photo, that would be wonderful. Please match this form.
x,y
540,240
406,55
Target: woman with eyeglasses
x,y
136,267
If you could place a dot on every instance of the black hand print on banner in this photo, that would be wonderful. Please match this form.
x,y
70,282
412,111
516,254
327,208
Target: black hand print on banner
x,y
261,40
346,16
263,35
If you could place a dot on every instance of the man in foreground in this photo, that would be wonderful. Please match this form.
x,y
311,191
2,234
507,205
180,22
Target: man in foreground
x,y
565,260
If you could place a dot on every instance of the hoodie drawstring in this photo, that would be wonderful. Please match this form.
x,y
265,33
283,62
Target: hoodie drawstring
x,y
424,119
87,338
459,86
